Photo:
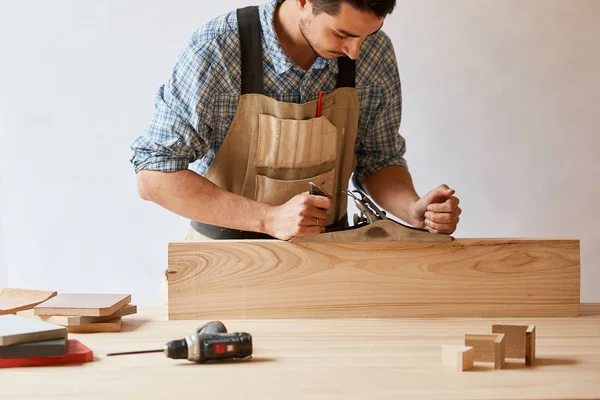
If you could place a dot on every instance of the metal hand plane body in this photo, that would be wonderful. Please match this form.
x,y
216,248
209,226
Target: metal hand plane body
x,y
371,224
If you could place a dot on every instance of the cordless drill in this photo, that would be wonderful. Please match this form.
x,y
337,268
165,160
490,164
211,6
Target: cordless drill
x,y
211,342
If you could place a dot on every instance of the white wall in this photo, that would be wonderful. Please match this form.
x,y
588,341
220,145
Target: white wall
x,y
500,101
3,169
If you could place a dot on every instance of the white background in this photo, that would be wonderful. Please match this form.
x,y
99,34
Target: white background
x,y
501,102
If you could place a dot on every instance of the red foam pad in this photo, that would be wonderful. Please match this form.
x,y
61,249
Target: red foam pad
x,y
77,353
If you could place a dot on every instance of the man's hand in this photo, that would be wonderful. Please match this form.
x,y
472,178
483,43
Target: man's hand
x,y
301,215
437,211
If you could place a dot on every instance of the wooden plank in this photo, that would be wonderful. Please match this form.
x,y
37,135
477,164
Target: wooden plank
x,y
69,321
83,304
15,300
464,277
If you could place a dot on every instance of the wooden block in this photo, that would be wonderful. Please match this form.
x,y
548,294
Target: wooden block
x,y
520,341
46,348
17,329
15,300
111,325
263,279
488,348
77,320
530,345
83,304
459,357
77,353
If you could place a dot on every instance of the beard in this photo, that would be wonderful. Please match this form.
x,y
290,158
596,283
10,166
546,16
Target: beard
x,y
304,26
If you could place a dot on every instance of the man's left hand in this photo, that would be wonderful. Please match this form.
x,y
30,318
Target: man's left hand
x,y
437,211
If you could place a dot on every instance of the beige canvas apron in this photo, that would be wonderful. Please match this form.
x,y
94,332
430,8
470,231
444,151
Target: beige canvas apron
x,y
274,149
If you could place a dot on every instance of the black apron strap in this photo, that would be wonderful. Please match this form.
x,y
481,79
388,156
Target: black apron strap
x,y
251,47
346,73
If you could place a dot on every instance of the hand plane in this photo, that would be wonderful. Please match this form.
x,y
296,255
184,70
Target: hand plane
x,y
371,225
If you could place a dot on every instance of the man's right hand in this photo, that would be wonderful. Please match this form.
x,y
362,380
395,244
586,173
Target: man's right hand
x,y
302,215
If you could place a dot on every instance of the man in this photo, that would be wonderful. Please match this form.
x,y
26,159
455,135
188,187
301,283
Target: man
x,y
239,132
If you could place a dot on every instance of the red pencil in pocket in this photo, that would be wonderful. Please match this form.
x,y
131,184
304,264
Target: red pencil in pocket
x,y
320,104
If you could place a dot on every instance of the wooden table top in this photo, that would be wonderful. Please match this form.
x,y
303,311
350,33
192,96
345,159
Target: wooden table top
x,y
324,359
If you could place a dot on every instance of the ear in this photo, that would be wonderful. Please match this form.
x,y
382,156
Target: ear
x,y
304,5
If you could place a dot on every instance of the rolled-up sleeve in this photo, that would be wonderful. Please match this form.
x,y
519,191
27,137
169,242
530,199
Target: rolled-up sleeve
x,y
180,128
379,143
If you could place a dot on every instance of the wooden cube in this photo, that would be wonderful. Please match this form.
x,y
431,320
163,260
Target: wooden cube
x,y
459,357
520,341
487,348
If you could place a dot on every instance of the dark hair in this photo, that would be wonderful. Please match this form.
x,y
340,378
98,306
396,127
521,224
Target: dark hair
x,y
380,8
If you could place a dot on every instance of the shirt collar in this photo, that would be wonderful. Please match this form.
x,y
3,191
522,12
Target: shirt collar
x,y
281,61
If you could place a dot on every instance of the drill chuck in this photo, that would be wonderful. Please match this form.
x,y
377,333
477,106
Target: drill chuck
x,y
176,349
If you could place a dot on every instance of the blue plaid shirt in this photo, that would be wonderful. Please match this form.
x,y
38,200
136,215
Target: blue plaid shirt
x,y
195,107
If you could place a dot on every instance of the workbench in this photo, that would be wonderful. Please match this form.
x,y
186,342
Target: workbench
x,y
324,359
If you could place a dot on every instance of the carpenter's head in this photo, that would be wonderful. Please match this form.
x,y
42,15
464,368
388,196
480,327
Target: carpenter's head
x,y
337,28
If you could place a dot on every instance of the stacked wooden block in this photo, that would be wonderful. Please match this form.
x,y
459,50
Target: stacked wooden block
x,y
505,341
86,313
41,338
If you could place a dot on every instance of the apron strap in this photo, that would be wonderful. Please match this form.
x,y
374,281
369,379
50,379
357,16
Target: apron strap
x,y
251,47
347,72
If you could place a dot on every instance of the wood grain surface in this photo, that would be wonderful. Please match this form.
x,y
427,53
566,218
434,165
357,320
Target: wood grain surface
x,y
15,300
465,277
83,304
324,359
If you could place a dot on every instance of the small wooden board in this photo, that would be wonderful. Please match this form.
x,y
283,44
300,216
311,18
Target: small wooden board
x,y
17,329
83,304
520,341
77,353
488,348
530,345
15,300
111,325
45,348
70,321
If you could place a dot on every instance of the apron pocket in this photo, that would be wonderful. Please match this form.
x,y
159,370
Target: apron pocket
x,y
292,143
276,192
